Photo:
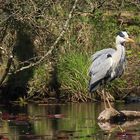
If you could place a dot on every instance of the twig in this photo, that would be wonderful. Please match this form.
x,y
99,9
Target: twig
x,y
1,48
98,6
7,69
55,43
8,66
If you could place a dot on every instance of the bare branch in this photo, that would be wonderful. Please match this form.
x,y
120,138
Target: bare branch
x,y
55,43
7,69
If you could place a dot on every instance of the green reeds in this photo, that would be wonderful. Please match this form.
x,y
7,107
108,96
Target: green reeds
x,y
73,74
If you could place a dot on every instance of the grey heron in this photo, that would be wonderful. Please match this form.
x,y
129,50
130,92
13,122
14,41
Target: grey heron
x,y
108,64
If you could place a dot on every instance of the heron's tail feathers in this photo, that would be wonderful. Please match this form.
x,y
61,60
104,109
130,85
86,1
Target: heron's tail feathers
x,y
93,85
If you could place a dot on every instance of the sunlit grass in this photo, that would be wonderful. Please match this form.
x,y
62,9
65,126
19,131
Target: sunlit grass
x,y
72,73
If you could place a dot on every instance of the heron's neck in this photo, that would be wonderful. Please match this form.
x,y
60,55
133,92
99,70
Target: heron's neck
x,y
120,52
120,49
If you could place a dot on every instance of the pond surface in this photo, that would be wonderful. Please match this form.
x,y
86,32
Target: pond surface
x,y
76,121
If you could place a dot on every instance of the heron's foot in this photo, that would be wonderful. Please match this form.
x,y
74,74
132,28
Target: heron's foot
x,y
114,110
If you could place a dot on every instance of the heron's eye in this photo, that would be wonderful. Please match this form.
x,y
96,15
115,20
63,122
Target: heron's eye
x,y
121,34
109,55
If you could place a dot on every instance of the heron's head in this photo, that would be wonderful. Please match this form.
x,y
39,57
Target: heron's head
x,y
123,37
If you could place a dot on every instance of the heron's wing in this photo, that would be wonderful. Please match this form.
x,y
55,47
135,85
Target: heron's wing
x,y
100,73
102,52
99,57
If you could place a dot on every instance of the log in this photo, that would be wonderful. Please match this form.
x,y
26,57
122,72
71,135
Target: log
x,y
114,116
131,114
128,125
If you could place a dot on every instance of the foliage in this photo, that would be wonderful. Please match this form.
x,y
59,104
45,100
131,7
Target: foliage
x,y
37,85
30,28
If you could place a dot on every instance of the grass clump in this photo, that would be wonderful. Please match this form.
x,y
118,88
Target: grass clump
x,y
72,74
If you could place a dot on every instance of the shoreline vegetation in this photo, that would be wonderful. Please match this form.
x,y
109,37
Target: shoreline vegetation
x,y
46,48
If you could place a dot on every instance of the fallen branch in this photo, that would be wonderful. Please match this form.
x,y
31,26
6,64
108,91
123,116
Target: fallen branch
x,y
114,116
55,43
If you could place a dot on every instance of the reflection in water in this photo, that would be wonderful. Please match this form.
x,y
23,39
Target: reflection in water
x,y
63,122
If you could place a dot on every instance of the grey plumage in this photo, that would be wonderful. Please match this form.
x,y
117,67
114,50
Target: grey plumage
x,y
108,64
98,58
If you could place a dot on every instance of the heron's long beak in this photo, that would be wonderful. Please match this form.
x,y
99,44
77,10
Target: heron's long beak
x,y
129,40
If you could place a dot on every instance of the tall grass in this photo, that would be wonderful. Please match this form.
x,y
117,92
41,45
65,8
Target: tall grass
x,y
72,74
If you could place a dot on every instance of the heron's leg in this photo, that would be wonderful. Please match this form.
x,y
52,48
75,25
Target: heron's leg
x,y
109,104
108,101
104,98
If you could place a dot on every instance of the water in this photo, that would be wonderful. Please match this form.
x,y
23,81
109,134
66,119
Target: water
x,y
76,121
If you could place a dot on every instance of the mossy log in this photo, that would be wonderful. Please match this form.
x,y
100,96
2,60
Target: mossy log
x,y
113,116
